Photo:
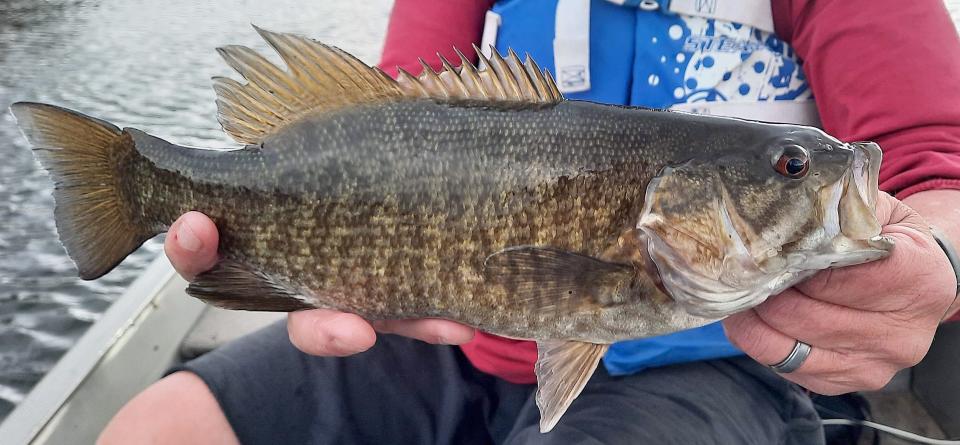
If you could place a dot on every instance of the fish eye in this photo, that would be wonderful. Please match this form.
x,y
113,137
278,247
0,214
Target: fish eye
x,y
793,162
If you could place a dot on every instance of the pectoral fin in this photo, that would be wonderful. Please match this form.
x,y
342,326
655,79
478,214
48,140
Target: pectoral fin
x,y
563,369
552,278
232,285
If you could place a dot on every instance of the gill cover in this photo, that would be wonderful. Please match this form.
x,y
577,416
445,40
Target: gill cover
x,y
696,241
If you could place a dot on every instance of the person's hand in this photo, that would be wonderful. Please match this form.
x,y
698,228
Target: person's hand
x,y
864,322
191,246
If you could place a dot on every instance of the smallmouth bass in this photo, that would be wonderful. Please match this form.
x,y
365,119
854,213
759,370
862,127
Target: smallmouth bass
x,y
479,196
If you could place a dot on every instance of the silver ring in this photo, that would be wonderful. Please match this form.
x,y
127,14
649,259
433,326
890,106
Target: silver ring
x,y
796,358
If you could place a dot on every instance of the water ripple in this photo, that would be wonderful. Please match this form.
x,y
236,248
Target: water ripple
x,y
136,63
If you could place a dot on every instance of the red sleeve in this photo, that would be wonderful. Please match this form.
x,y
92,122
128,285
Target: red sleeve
x,y
886,71
421,28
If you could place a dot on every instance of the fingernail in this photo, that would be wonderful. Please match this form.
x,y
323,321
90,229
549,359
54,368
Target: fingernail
x,y
187,239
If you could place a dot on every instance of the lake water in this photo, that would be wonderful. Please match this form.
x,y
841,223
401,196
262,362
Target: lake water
x,y
137,63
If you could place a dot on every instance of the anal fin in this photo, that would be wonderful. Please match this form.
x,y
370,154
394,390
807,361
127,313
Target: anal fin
x,y
563,369
232,285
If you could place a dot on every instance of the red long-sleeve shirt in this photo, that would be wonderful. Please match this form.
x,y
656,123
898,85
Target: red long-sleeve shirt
x,y
881,70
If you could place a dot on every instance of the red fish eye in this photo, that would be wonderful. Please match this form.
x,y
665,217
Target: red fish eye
x,y
793,165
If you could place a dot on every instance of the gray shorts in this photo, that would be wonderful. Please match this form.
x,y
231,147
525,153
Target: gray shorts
x,y
407,392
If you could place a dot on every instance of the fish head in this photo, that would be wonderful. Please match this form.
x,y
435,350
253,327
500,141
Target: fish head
x,y
725,231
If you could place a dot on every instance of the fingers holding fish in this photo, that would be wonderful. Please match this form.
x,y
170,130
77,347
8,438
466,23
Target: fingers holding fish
x,y
832,373
768,345
897,302
829,325
879,285
869,340
765,344
865,322
192,249
430,330
327,332
824,371
191,244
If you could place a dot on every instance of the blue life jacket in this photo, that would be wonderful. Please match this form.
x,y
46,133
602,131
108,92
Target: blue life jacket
x,y
651,56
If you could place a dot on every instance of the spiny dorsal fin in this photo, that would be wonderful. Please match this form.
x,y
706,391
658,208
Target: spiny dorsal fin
x,y
319,77
500,80
324,78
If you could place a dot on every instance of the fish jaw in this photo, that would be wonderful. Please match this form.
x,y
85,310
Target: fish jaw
x,y
740,277
852,233
857,206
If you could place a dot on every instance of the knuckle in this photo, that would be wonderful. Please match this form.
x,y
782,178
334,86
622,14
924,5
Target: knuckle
x,y
874,379
435,333
876,383
912,352
870,338
308,336
820,283
739,332
780,308
437,338
820,383
827,389
903,346
749,339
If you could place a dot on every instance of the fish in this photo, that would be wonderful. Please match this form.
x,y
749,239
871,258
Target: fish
x,y
474,194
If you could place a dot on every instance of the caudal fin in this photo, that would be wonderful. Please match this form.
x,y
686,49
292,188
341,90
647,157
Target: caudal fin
x,y
81,153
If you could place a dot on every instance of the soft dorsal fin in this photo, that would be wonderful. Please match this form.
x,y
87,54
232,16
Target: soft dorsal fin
x,y
321,78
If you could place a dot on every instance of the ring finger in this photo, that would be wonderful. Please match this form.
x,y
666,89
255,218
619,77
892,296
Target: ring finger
x,y
826,325
769,346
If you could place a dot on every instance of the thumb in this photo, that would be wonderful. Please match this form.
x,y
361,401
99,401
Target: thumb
x,y
191,244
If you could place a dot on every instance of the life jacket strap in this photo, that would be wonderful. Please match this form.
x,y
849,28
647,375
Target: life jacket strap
x,y
571,46
491,25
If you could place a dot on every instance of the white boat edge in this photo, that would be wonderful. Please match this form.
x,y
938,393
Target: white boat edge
x,y
69,405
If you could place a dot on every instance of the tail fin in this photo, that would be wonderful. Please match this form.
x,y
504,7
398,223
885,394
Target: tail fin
x,y
81,154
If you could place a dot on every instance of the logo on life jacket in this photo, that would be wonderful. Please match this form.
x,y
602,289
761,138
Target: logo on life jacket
x,y
573,76
707,6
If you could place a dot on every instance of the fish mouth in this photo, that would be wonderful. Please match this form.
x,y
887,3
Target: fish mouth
x,y
855,230
858,204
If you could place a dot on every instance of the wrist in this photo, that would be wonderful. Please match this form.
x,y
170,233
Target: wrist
x,y
953,256
941,209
